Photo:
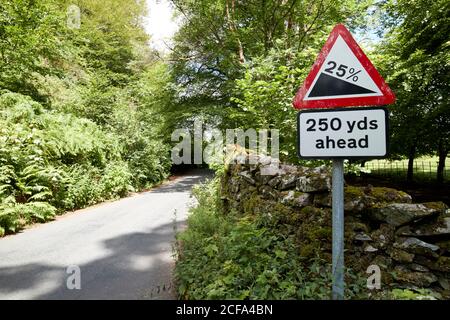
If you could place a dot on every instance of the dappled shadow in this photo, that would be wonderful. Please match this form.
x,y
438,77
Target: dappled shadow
x,y
186,182
139,266
136,265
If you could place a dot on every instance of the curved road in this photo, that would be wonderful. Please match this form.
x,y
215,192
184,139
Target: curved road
x,y
123,249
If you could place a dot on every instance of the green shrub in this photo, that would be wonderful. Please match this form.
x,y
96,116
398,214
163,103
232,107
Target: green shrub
x,y
52,161
14,216
149,164
418,294
82,187
230,256
116,180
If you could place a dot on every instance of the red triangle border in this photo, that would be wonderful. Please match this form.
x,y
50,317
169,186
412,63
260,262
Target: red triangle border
x,y
388,96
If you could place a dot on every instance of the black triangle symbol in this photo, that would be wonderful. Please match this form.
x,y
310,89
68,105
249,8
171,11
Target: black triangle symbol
x,y
330,86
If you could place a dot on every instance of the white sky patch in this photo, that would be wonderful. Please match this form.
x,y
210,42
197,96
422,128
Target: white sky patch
x,y
159,24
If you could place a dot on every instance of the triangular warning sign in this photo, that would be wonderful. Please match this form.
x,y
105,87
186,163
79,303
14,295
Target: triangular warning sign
x,y
342,76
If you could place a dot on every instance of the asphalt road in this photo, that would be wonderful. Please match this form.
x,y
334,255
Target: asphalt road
x,y
123,249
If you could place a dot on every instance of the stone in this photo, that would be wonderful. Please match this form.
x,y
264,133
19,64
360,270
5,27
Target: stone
x,y
268,193
355,200
354,205
288,181
266,160
388,195
382,261
370,249
303,200
398,214
287,197
418,267
384,236
438,206
247,177
289,168
444,245
380,222
262,179
420,279
361,236
417,246
442,264
323,200
314,180
444,283
254,161
233,186
355,225
271,170
274,182
438,227
296,199
401,255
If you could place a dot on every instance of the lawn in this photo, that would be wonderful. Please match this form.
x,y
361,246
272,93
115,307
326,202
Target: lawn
x,y
425,168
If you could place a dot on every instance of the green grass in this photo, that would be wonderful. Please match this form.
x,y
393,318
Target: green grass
x,y
425,168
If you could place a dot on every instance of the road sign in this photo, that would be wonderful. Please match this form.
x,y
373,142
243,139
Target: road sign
x,y
343,133
342,76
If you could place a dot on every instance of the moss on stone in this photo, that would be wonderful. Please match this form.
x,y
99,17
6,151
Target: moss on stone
x,y
383,194
437,205
320,233
352,193
251,203
444,245
443,264
309,210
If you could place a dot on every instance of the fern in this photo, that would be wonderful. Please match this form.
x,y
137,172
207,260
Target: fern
x,y
52,161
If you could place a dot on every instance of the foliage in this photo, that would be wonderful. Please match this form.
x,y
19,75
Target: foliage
x,y
415,56
79,108
29,38
227,256
406,294
237,64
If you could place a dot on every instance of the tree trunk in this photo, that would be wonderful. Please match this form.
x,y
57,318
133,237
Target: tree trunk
x,y
442,153
233,29
411,156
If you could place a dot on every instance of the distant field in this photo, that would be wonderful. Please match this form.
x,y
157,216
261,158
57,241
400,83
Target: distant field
x,y
425,168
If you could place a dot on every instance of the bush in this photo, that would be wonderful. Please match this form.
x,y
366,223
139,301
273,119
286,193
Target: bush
x,y
116,180
82,187
52,161
228,256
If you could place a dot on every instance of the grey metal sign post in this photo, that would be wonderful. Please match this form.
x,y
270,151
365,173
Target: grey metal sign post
x,y
342,76
338,229
338,134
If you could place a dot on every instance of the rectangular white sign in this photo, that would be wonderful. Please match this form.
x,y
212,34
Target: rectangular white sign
x,y
343,133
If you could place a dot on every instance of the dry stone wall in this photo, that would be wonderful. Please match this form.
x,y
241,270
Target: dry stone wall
x,y
410,242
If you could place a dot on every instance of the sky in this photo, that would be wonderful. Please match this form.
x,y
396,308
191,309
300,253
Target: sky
x,y
159,24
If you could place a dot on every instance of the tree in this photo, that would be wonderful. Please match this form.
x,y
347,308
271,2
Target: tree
x,y
238,63
416,56
29,43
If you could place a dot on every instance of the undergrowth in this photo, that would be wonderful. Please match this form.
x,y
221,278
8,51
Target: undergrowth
x,y
226,255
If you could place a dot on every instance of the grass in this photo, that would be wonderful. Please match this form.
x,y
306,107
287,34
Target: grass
x,y
425,168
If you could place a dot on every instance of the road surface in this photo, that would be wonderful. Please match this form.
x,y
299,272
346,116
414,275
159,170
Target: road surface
x,y
123,249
